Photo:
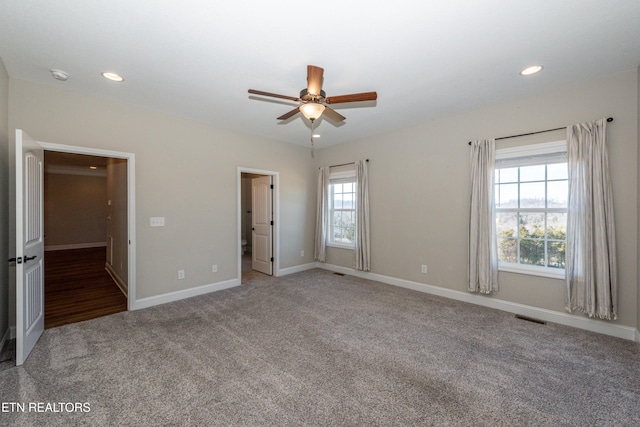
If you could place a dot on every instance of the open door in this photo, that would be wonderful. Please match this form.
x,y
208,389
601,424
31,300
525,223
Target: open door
x,y
29,245
262,224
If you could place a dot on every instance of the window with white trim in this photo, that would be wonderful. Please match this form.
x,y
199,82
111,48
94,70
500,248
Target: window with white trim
x,y
342,209
531,191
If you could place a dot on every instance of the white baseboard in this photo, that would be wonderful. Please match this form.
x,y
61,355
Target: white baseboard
x,y
4,339
637,335
599,326
12,332
75,246
116,278
187,293
297,269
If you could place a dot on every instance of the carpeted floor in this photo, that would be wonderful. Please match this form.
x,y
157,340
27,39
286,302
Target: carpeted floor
x,y
315,348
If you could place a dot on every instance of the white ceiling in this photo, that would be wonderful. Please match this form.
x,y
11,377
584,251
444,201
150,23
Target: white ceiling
x,y
426,59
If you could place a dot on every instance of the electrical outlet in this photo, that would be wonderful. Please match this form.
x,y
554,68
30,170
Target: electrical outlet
x,y
214,268
301,253
180,274
424,269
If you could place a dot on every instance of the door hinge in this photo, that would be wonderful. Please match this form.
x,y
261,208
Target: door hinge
x,y
271,259
271,222
272,186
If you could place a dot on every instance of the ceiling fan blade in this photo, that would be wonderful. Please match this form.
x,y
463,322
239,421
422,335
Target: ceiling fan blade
x,y
289,114
355,97
333,115
314,79
275,95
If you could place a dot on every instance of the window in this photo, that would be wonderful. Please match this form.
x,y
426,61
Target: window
x,y
531,190
342,209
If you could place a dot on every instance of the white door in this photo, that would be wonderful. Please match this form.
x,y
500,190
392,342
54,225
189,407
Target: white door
x,y
29,245
262,225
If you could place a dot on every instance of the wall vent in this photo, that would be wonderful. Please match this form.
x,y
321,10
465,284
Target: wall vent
x,y
530,319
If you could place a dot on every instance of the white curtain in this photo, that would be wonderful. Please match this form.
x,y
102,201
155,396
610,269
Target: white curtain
x,y
483,247
322,215
362,249
591,276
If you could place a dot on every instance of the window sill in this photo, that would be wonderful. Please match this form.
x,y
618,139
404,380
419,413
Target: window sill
x,y
532,270
337,245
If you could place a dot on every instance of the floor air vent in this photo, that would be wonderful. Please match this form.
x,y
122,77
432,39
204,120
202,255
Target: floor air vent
x,y
339,274
530,319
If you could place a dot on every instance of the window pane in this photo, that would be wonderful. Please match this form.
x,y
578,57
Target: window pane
x,y
506,175
532,225
532,251
337,202
556,254
337,188
507,250
506,196
532,173
343,227
557,226
557,194
532,195
507,224
557,171
347,201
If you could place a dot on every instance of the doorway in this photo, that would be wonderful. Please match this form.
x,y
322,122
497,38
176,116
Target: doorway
x,y
258,237
85,234
29,234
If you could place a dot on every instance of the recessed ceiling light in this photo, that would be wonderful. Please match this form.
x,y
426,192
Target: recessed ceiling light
x,y
93,167
531,70
316,135
112,76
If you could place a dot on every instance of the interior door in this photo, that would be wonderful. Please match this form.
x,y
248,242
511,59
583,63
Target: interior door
x,y
262,224
29,245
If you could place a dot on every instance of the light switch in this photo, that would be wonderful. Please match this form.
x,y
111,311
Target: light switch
x,y
156,221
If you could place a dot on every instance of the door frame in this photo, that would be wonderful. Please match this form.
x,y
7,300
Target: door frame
x,y
275,177
131,204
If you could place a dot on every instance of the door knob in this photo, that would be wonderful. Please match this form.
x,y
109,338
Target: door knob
x,y
28,258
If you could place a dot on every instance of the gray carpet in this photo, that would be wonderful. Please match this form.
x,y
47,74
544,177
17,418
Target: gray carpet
x,y
315,348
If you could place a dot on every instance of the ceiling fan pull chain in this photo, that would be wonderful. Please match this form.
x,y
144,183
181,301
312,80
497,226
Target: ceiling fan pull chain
x,y
312,142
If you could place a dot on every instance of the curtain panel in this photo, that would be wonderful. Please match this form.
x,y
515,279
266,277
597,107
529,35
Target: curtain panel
x,y
591,274
483,246
362,247
322,215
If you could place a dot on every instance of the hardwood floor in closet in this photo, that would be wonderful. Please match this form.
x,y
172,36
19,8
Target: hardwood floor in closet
x,y
77,287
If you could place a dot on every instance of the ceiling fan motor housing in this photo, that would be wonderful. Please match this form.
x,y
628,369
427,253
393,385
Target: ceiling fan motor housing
x,y
305,96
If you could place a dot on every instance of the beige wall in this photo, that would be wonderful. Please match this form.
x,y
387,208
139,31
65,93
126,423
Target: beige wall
x,y
186,171
4,200
117,215
638,208
75,209
419,189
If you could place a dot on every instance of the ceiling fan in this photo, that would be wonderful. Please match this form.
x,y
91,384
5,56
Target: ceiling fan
x,y
313,100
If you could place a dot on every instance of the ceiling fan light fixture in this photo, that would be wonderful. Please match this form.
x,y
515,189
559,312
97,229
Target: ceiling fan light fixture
x,y
312,110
